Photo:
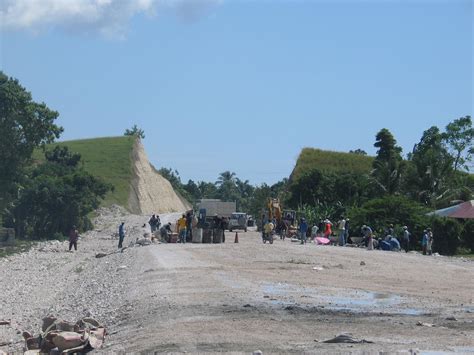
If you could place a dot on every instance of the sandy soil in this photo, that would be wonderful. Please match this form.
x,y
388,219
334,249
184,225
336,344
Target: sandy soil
x,y
150,192
280,298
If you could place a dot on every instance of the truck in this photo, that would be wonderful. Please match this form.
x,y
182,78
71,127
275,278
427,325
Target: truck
x,y
216,207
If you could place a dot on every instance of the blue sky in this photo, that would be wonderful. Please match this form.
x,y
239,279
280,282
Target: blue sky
x,y
244,85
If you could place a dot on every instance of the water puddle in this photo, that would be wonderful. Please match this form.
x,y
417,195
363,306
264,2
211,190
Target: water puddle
x,y
352,301
454,350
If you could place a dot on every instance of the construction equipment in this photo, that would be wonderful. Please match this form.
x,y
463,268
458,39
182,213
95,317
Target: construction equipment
x,y
285,220
274,209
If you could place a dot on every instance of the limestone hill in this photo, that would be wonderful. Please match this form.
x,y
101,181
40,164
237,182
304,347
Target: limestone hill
x,y
122,161
311,158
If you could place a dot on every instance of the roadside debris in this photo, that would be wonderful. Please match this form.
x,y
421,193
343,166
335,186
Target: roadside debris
x,y
421,324
453,318
362,263
347,338
60,336
5,322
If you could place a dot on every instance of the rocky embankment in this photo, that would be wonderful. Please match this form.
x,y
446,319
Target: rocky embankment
x,y
50,280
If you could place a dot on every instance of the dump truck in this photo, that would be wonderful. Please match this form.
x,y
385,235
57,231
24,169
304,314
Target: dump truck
x,y
216,207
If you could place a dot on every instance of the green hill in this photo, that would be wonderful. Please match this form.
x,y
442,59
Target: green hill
x,y
311,158
108,158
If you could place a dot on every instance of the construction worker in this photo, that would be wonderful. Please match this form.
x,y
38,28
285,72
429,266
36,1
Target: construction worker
x,y
303,228
181,225
165,232
189,226
152,222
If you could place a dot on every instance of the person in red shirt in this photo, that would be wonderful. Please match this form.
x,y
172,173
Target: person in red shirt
x,y
328,228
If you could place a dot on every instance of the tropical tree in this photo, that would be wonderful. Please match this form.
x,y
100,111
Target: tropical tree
x,y
429,175
388,164
24,126
207,189
459,135
358,152
56,195
226,177
135,131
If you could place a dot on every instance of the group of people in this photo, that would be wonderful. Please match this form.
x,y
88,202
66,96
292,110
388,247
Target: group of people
x,y
322,231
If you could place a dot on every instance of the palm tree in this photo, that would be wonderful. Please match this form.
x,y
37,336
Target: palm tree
x,y
225,177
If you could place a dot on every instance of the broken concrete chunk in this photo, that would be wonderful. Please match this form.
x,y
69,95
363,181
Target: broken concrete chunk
x,y
67,340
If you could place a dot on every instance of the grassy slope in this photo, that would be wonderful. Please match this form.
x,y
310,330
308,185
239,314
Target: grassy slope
x,y
107,158
311,158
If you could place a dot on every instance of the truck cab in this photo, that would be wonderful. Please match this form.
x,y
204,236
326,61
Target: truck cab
x,y
238,220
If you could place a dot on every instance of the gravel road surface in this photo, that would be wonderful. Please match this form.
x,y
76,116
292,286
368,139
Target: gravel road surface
x,y
243,297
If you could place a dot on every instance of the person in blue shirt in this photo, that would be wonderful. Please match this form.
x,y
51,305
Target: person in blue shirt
x,y
121,234
303,229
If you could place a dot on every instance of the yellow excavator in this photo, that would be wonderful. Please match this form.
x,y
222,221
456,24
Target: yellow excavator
x,y
286,217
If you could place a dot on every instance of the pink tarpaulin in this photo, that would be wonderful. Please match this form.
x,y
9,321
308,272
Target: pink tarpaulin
x,y
322,240
464,210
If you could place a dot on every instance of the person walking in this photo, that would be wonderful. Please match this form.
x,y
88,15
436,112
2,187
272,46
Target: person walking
x,y
342,231
429,243
303,229
406,239
152,223
121,234
73,236
182,229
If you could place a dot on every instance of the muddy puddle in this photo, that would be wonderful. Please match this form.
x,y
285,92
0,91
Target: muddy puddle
x,y
453,350
343,300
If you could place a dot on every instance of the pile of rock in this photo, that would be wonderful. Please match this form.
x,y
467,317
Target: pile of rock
x,y
61,337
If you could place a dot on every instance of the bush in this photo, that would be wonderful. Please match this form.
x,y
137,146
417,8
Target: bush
x,y
396,210
468,235
56,195
446,234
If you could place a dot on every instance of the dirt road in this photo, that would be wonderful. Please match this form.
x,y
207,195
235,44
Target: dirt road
x,y
249,296
287,297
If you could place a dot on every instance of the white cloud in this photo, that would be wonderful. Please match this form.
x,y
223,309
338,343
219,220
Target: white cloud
x,y
107,17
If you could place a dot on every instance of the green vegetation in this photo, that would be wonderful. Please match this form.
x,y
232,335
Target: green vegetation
x,y
135,131
328,161
55,196
24,126
106,158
